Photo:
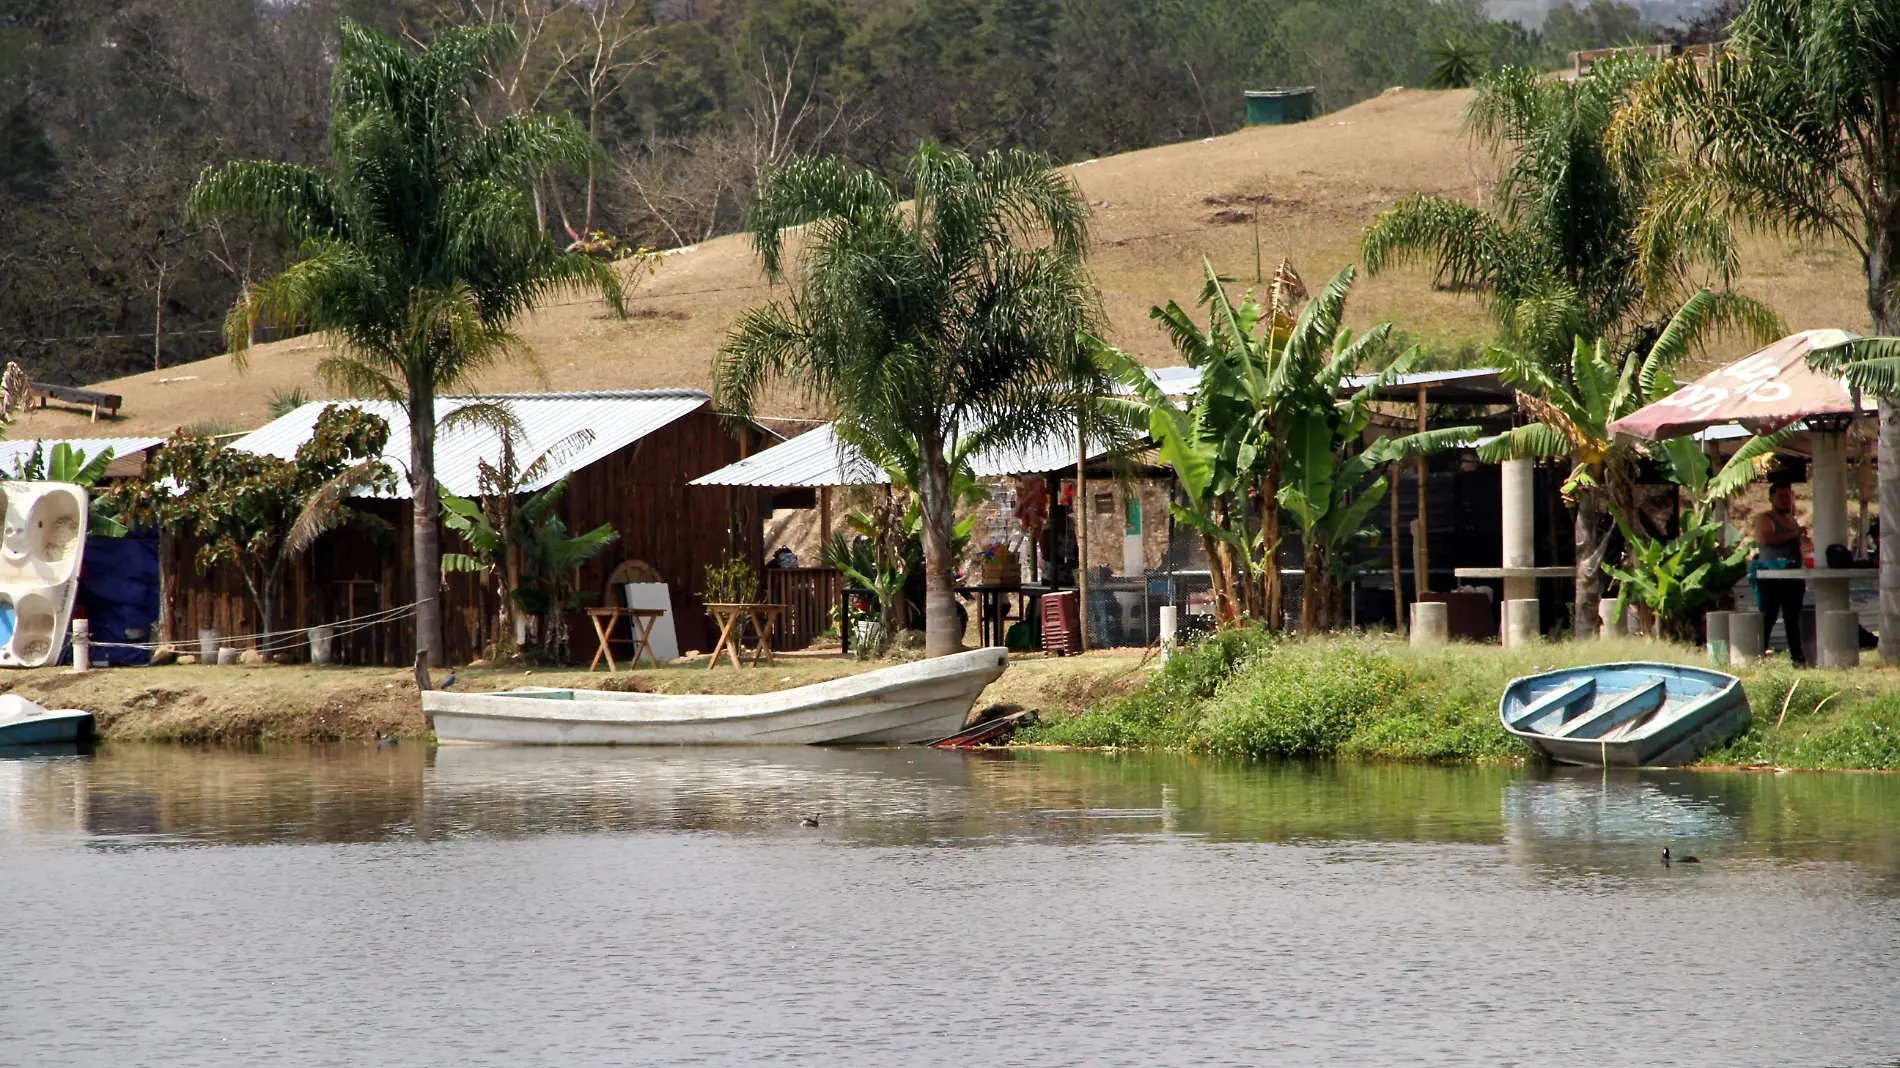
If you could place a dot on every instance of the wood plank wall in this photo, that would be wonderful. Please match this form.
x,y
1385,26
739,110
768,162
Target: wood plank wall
x,y
640,489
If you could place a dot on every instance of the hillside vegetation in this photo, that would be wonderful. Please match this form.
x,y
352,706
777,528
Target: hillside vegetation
x,y
1156,213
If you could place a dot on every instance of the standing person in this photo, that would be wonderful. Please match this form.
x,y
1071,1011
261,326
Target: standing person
x,y
1779,535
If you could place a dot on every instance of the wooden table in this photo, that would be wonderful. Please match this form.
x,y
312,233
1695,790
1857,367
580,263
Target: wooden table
x,y
992,602
606,619
730,617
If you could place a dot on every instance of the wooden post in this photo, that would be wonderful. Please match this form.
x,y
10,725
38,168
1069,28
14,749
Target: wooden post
x,y
824,516
1421,537
1081,533
1398,573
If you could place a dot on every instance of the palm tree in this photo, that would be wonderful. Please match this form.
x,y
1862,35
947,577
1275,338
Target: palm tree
x,y
419,244
1793,128
1571,411
954,316
1559,257
1456,64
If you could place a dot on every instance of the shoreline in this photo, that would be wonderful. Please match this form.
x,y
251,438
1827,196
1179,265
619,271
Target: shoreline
x,y
1249,696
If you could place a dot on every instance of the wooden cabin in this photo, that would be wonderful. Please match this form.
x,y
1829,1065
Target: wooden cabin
x,y
628,457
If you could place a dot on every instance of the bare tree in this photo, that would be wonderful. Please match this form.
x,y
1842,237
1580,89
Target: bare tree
x,y
597,57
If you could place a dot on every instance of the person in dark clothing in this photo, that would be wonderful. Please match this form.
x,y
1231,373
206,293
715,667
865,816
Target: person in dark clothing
x,y
1779,534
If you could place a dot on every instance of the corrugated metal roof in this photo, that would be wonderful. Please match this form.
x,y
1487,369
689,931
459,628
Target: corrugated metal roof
x,y
817,458
616,418
15,453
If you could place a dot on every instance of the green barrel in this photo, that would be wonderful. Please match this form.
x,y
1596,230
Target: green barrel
x,y
1278,107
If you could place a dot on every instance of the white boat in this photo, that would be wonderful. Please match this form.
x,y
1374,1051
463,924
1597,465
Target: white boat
x,y
40,554
915,702
23,722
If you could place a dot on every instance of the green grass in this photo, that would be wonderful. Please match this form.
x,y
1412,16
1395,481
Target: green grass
x,y
1247,694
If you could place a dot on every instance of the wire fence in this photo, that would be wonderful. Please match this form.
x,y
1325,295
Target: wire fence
x,y
277,641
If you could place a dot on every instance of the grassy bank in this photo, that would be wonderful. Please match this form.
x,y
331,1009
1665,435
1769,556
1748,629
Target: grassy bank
x,y
1248,695
248,704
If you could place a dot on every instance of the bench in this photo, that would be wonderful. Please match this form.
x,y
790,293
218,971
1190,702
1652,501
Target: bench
x,y
85,398
1600,720
1565,696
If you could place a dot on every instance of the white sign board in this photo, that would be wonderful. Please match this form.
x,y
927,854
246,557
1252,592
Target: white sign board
x,y
666,642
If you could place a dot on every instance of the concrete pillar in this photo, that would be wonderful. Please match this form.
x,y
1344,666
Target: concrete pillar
x,y
1167,631
1521,622
1828,480
1518,522
1840,639
1431,623
1715,626
82,646
1745,638
1608,625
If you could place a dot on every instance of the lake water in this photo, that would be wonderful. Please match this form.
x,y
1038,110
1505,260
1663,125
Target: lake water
x,y
374,908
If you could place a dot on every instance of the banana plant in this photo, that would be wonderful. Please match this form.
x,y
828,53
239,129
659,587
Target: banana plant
x,y
1331,489
63,463
1253,379
1674,580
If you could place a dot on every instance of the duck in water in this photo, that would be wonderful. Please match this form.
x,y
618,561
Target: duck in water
x,y
1668,860
809,821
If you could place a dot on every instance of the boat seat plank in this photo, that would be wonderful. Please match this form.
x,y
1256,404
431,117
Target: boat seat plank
x,y
1601,719
1564,696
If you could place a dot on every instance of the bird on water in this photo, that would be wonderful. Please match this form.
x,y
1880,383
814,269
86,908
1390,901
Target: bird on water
x,y
809,821
1668,860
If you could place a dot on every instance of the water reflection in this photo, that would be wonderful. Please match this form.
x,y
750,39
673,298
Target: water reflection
x,y
133,794
354,905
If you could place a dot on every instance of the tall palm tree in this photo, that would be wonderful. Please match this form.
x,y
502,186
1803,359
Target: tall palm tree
x,y
1570,415
1795,128
1558,256
955,315
419,244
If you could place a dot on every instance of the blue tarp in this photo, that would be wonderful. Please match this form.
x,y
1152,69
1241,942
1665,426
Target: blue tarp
x,y
118,585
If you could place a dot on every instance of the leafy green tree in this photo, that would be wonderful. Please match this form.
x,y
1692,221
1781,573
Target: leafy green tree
x,y
419,243
256,512
954,317
1793,128
1560,256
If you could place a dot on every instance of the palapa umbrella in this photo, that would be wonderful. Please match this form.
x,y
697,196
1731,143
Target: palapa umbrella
x,y
1764,391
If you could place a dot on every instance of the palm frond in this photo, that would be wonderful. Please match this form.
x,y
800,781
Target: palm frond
x,y
1532,441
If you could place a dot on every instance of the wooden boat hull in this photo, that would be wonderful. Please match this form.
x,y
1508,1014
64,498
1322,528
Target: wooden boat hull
x,y
916,702
1630,714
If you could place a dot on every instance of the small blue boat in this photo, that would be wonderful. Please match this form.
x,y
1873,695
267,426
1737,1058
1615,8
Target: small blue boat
x,y
24,723
1632,714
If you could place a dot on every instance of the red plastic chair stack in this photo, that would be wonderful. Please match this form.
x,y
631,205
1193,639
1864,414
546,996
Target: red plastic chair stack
x,y
1061,631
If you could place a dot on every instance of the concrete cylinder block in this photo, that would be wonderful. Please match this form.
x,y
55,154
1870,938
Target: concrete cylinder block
x,y
1608,625
1840,639
1522,620
1715,627
1431,623
1745,637
1169,625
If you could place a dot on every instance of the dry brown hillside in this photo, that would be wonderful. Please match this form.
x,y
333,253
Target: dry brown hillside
x,y
1156,213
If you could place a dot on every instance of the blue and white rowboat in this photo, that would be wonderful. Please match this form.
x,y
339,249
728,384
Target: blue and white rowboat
x,y
1632,714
